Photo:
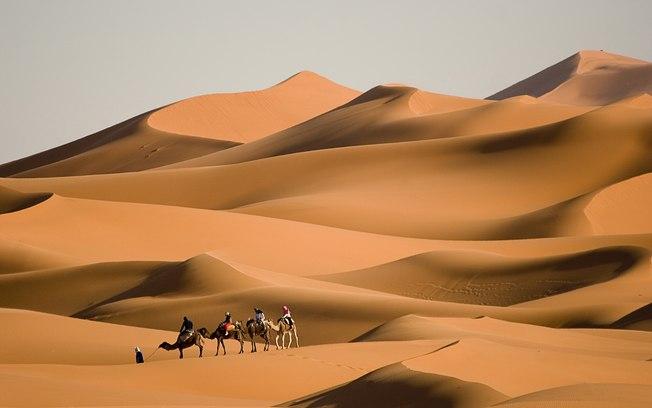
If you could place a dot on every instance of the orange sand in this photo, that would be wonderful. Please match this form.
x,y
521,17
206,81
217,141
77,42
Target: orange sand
x,y
434,250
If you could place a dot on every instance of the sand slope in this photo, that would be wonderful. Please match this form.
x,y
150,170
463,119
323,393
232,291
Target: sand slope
x,y
387,114
84,371
520,177
190,128
586,78
129,146
11,200
482,278
247,116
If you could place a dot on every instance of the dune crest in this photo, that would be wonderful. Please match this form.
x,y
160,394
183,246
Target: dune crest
x,y
247,116
586,78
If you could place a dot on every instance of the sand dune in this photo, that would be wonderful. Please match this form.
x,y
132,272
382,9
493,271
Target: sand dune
x,y
129,146
586,78
190,128
153,294
229,116
98,373
538,369
622,208
11,200
586,396
389,114
20,257
434,250
128,231
581,341
481,278
395,385
84,371
519,176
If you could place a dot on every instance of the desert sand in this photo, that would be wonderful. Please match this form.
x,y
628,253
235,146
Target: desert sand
x,y
434,250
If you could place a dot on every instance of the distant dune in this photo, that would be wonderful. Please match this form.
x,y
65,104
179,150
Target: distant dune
x,y
434,250
586,78
186,129
247,116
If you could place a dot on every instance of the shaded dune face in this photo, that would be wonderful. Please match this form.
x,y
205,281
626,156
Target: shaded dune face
x,y
11,200
434,250
129,146
482,279
396,384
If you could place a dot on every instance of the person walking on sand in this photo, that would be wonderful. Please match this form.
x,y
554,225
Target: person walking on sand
x,y
139,356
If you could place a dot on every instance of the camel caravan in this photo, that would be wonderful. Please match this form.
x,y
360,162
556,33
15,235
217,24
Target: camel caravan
x,y
257,326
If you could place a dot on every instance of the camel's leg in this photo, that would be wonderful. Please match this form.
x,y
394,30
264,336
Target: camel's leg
x,y
296,336
223,346
290,343
241,345
266,348
253,344
276,341
180,352
201,349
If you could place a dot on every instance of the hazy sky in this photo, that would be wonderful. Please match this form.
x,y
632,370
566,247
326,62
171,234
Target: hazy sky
x,y
69,68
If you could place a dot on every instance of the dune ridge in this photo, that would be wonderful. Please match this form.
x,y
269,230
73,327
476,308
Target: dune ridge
x,y
229,116
586,78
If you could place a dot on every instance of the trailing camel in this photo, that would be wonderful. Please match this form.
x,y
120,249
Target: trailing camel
x,y
254,329
237,334
184,341
282,329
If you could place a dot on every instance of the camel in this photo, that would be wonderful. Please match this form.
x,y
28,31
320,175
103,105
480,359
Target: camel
x,y
282,329
194,339
238,334
254,330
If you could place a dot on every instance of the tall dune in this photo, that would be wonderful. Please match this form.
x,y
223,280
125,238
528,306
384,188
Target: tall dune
x,y
189,128
586,78
247,116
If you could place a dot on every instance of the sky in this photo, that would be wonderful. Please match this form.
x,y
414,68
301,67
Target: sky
x,y
70,68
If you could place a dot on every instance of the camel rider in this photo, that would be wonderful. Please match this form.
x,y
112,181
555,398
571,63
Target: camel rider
x,y
225,325
259,316
186,326
287,316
